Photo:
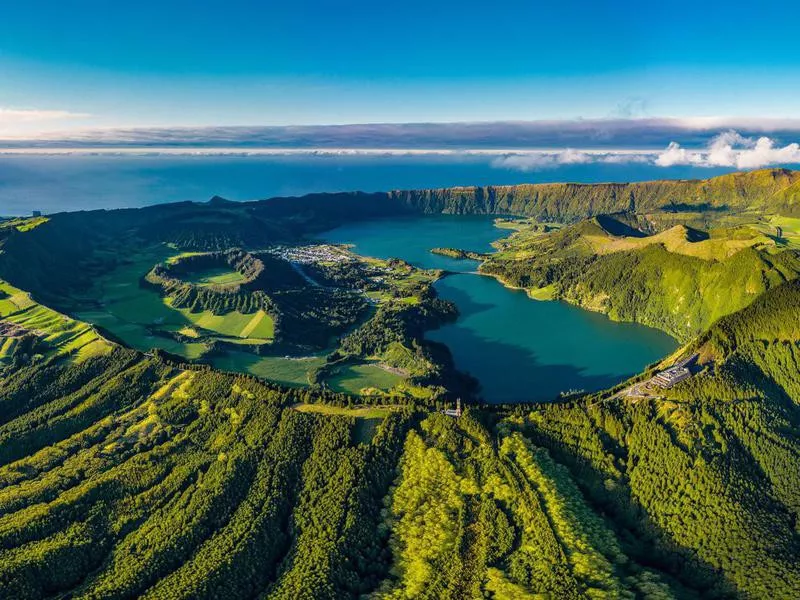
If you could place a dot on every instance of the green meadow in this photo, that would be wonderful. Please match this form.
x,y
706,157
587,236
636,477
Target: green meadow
x,y
141,318
287,371
62,334
352,379
790,227
218,276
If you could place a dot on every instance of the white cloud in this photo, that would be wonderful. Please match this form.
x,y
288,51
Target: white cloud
x,y
675,155
572,157
765,153
542,160
730,149
721,152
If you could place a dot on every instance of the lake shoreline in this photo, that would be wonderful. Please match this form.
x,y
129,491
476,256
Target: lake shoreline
x,y
519,350
531,292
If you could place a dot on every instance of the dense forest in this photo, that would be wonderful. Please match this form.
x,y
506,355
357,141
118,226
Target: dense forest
x,y
130,476
126,474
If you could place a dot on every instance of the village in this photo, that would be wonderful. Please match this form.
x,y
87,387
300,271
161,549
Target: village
x,y
318,253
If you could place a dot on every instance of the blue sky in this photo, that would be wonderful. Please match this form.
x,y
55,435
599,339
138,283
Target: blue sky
x,y
78,64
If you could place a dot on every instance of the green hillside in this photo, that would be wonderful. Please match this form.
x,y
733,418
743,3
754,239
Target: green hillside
x,y
147,479
132,466
680,280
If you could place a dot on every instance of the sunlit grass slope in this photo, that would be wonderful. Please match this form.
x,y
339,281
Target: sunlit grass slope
x,y
680,280
57,333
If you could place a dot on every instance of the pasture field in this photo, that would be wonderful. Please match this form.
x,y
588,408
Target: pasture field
x,y
368,417
544,293
258,325
217,276
360,412
261,325
23,224
135,314
722,243
12,299
354,378
790,227
62,333
7,346
287,371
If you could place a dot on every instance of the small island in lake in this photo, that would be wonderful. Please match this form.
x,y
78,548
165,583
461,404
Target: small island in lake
x,y
459,254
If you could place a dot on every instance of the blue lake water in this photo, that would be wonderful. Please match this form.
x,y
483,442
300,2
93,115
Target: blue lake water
x,y
519,349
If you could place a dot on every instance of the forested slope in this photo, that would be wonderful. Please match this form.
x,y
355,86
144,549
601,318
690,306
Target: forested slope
x,y
772,190
123,475
680,281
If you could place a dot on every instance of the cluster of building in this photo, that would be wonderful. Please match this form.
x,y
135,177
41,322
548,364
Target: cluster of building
x,y
663,379
666,379
312,254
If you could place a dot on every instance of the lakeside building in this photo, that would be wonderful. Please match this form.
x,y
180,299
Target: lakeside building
x,y
666,379
456,412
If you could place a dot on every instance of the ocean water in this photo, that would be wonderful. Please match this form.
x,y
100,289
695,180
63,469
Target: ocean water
x,y
519,349
58,183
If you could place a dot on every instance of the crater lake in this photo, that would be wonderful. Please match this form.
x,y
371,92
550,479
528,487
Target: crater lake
x,y
518,348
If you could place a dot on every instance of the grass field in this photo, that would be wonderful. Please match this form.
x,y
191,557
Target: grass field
x,y
288,371
23,224
63,334
544,293
7,346
132,313
679,240
258,325
361,412
352,379
369,417
790,227
218,276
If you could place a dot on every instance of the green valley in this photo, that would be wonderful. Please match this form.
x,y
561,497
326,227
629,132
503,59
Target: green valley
x,y
209,401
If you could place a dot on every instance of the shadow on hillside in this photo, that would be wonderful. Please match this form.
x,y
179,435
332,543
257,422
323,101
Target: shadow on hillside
x,y
644,541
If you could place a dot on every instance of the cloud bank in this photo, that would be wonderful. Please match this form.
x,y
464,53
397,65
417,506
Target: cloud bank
x,y
730,149
13,116
609,133
525,146
535,161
